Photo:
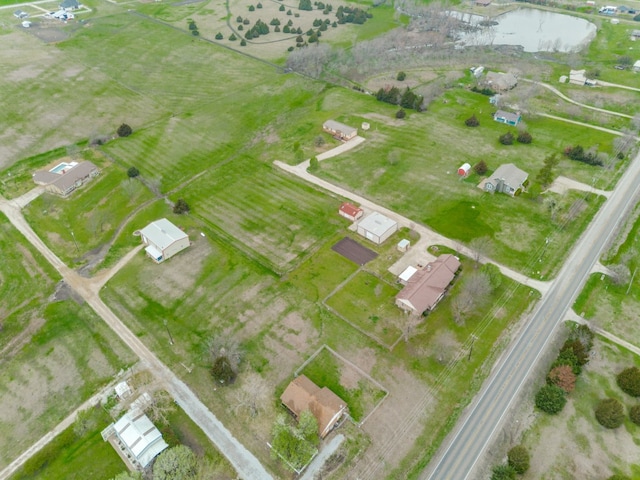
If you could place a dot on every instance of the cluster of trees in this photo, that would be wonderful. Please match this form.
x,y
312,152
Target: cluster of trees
x,y
518,462
295,444
472,121
579,154
477,287
352,15
609,412
224,360
181,206
522,137
260,28
484,91
193,28
562,376
407,99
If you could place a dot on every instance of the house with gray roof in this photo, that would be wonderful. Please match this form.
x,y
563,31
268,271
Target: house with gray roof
x,y
163,240
506,179
64,178
508,118
339,130
377,228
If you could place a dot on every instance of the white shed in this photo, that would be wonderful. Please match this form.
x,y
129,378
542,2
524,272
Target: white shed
x,y
403,245
377,228
163,240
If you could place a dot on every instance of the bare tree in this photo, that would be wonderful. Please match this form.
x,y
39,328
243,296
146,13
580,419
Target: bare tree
x,y
254,394
621,274
474,291
481,247
445,346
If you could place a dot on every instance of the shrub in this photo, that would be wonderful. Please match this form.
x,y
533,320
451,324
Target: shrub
x,y
239,19
518,459
578,349
506,139
219,36
524,137
259,5
562,376
124,130
567,357
401,76
550,399
243,43
240,28
503,472
233,37
629,381
290,49
252,8
313,164
222,371
634,414
181,207
133,172
481,167
401,113
610,413
472,121
281,9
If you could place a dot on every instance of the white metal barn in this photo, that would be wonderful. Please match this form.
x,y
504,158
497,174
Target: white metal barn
x,y
163,240
377,228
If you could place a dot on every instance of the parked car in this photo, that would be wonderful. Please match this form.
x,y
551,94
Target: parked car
x,y
619,67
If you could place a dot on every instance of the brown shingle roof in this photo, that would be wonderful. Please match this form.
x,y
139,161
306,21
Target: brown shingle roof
x,y
425,288
302,394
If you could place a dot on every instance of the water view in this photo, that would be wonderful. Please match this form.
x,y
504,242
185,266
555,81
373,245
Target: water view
x,y
535,30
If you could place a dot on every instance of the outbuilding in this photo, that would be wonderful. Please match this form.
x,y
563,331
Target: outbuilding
x,y
377,228
350,211
508,118
464,170
163,240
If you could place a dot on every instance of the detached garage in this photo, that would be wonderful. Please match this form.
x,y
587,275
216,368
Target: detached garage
x,y
163,240
377,228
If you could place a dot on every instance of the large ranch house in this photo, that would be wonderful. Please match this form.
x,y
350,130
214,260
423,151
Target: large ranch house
x,y
64,178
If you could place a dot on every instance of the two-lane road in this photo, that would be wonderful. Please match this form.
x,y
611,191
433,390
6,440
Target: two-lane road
x,y
464,447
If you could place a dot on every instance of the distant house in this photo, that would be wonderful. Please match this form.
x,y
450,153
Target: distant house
x,y
339,130
349,211
64,178
483,3
500,82
20,14
70,4
508,118
506,179
579,77
163,240
302,394
136,438
424,288
377,228
635,34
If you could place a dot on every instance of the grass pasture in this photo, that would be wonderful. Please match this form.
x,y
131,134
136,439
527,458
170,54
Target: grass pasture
x,y
66,360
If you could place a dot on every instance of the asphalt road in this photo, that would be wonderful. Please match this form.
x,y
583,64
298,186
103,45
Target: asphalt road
x,y
466,444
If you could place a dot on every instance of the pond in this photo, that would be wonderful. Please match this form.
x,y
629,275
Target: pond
x,y
535,30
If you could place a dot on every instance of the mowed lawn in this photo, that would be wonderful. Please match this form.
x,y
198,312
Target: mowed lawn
x,y
411,166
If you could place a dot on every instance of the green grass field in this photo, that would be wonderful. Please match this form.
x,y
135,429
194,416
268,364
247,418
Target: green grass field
x,y
65,358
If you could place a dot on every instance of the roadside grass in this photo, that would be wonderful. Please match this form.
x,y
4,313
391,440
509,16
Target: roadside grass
x,y
368,302
423,185
74,457
27,280
93,213
64,362
575,432
265,213
327,370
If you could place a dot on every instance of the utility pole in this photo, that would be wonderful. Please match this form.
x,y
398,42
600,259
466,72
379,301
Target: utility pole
x,y
473,339
167,327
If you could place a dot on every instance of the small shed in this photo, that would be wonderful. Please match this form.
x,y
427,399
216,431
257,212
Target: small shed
x,y
464,170
403,245
377,228
365,126
123,390
350,212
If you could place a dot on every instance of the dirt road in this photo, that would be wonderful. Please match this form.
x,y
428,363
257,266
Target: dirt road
x,y
246,464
